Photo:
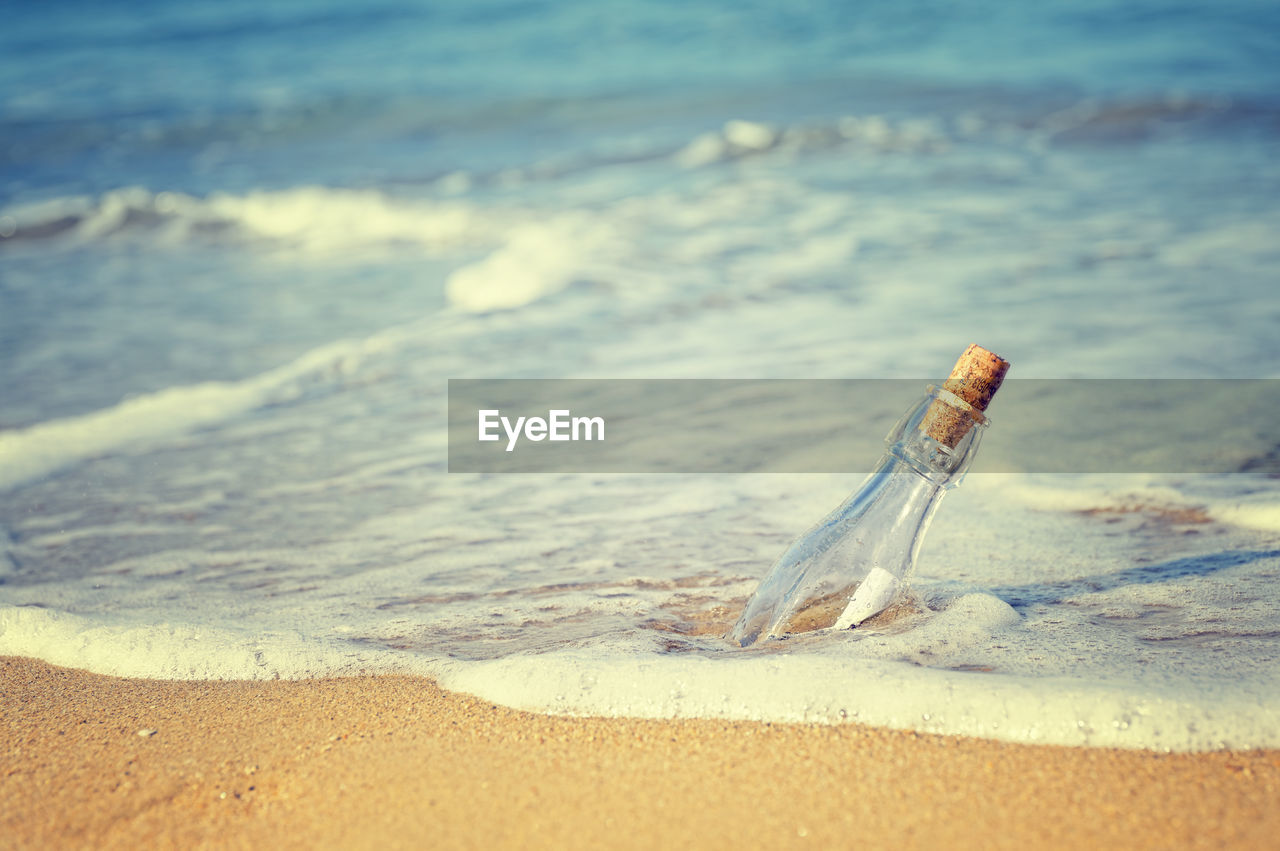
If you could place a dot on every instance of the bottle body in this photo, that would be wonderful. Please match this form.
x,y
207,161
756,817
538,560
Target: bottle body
x,y
858,559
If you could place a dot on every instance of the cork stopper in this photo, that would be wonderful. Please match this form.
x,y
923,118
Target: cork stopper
x,y
975,379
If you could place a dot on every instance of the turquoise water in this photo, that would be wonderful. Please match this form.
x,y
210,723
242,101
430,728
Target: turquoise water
x,y
242,248
1161,108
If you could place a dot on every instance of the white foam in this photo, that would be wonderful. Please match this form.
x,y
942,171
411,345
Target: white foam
x,y
529,254
311,219
1135,611
535,260
703,150
177,651
1098,652
318,219
738,138
30,453
829,688
750,134
1261,512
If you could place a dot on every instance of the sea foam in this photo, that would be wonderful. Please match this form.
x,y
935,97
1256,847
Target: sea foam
x,y
36,451
300,522
1038,628
176,651
832,688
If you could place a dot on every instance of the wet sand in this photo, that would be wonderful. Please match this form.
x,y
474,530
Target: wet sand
x,y
395,762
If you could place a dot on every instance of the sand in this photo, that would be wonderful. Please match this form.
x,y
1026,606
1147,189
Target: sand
x,y
394,761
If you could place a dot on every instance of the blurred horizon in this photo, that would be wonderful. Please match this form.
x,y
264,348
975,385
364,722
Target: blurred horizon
x,y
240,95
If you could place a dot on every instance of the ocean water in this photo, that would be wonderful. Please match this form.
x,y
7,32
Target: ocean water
x,y
242,249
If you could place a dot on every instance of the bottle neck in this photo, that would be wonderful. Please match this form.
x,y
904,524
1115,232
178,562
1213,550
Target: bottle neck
x,y
914,441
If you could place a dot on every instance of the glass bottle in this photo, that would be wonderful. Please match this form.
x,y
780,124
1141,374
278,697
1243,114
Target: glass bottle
x,y
855,562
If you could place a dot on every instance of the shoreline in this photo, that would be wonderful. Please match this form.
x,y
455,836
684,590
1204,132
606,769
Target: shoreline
x,y
396,761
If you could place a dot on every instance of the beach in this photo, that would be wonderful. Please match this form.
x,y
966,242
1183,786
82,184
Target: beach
x,y
393,761
274,276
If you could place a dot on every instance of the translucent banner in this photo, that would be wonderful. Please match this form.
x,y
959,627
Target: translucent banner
x,y
838,426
